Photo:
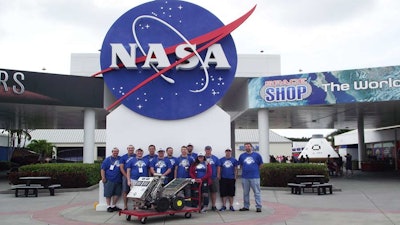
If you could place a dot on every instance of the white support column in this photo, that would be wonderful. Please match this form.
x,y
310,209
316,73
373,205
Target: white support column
x,y
263,133
233,140
361,139
88,137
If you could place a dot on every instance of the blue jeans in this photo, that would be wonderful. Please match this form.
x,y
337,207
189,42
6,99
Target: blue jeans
x,y
254,184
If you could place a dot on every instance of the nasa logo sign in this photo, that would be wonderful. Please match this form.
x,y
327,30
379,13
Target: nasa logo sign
x,y
169,60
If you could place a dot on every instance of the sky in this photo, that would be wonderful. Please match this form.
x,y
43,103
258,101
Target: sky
x,y
309,35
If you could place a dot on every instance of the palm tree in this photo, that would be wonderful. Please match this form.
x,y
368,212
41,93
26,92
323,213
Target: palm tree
x,y
44,148
18,134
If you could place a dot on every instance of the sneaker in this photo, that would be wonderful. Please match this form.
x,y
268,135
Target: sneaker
x,y
258,210
223,208
231,208
244,209
214,208
203,210
116,209
109,209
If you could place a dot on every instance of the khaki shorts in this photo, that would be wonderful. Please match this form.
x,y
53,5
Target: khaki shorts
x,y
214,187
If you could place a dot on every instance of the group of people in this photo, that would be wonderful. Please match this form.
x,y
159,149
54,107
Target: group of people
x,y
215,174
288,159
335,165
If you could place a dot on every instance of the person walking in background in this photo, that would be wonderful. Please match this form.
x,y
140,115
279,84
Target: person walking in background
x,y
215,168
250,162
200,170
349,163
339,162
111,177
125,177
228,176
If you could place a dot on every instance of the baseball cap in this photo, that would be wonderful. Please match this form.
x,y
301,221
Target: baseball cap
x,y
139,149
208,147
228,149
190,144
161,150
200,154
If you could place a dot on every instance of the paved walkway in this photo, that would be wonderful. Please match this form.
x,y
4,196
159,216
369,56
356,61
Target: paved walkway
x,y
365,198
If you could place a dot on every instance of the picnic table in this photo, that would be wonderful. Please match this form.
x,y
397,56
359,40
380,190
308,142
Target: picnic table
x,y
36,180
32,184
311,181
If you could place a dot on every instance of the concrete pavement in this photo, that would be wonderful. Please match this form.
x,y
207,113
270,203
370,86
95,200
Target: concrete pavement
x,y
364,198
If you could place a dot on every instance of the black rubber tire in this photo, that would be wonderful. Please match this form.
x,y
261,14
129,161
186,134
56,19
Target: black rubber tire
x,y
162,204
178,203
188,215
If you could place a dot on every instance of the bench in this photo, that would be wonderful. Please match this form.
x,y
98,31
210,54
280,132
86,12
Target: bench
x,y
321,188
27,188
52,187
296,188
34,189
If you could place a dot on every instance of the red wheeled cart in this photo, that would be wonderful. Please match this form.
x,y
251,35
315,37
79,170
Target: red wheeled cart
x,y
143,214
154,200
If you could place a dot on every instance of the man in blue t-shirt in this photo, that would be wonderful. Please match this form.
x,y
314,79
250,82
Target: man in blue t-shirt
x,y
227,182
215,167
137,167
152,153
172,160
182,167
160,165
250,162
183,163
190,151
124,160
111,177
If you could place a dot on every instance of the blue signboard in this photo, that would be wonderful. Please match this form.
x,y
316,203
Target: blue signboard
x,y
346,86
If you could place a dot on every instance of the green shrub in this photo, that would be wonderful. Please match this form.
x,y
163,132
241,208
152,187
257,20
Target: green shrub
x,y
69,175
279,174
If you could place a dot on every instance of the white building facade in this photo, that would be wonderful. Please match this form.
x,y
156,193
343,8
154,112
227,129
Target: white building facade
x,y
382,148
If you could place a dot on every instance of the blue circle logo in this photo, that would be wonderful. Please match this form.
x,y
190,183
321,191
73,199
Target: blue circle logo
x,y
168,60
